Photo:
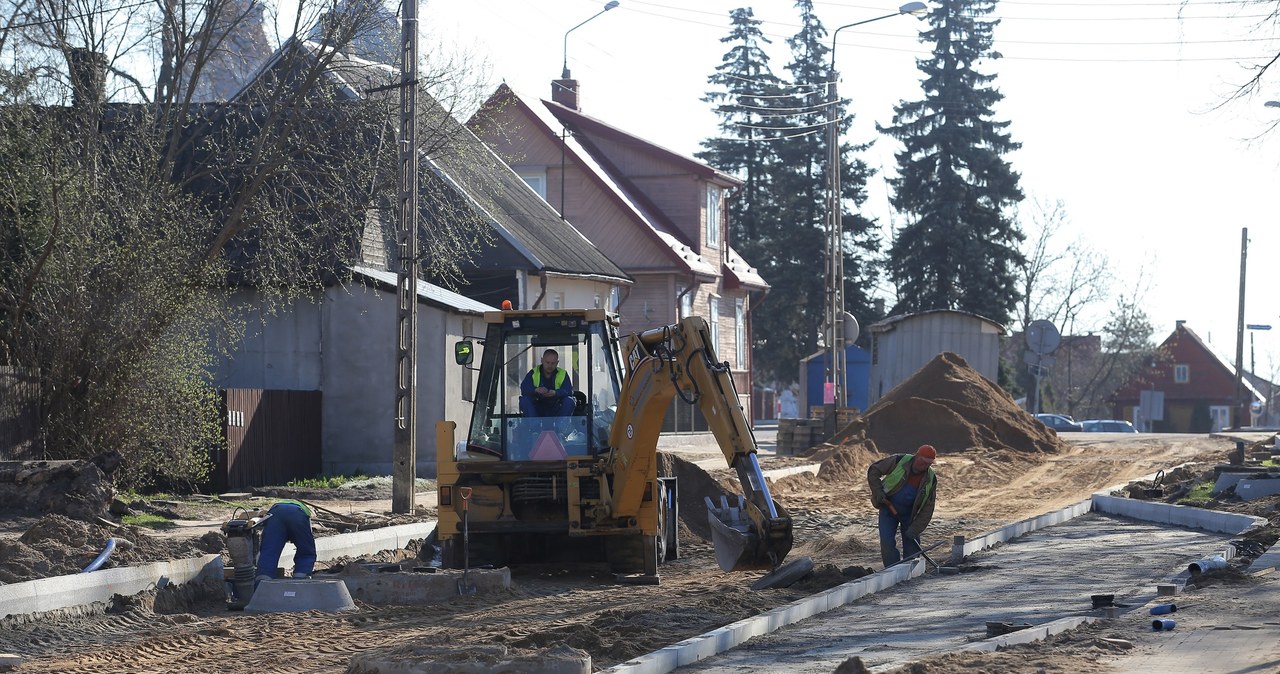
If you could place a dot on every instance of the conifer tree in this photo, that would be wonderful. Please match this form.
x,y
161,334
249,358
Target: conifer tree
x,y
798,300
745,96
960,249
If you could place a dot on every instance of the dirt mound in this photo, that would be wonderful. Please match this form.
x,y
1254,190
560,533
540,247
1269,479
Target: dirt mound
x,y
57,546
840,544
694,483
951,406
77,489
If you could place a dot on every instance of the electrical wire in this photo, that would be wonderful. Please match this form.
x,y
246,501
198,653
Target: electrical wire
x,y
46,22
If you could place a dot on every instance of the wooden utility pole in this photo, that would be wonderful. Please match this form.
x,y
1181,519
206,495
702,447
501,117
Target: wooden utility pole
x,y
404,468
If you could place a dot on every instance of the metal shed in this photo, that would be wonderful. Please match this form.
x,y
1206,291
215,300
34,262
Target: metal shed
x,y
901,345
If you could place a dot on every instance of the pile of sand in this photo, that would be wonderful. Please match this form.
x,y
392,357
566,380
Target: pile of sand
x,y
946,404
58,546
694,483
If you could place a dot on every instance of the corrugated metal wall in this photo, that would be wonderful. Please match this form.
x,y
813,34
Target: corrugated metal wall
x,y
272,437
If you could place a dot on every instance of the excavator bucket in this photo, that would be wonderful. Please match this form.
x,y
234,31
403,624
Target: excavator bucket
x,y
740,543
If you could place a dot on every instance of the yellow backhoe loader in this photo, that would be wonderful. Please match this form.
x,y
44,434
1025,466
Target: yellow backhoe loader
x,y
584,485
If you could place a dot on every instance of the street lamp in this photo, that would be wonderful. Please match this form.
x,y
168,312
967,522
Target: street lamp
x,y
564,74
836,328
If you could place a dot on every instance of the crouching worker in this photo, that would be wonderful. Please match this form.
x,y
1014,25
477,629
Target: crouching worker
x,y
904,488
290,522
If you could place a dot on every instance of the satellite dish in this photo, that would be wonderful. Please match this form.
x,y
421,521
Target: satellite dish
x,y
1042,337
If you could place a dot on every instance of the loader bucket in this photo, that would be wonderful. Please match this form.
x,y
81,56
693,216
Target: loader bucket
x,y
739,542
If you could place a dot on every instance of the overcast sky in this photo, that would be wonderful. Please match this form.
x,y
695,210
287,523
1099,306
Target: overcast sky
x,y
1120,108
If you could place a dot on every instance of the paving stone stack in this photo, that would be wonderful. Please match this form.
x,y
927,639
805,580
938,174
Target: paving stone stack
x,y
797,435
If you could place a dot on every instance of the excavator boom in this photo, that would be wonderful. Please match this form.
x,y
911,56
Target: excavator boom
x,y
752,531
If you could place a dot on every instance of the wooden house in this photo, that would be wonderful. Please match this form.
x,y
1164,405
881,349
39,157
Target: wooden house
x,y
658,214
1188,388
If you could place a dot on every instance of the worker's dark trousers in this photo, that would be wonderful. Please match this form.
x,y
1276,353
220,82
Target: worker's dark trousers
x,y
890,526
288,524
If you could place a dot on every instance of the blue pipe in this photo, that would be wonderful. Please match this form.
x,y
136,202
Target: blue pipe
x,y
102,556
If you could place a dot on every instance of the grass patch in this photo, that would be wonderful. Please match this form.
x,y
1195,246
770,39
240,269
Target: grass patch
x,y
147,520
323,482
1199,496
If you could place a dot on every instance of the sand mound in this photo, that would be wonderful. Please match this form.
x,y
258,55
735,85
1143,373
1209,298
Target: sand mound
x,y
694,483
57,546
967,411
843,543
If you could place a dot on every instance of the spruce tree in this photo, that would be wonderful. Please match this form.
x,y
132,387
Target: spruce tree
x,y
745,97
798,300
960,247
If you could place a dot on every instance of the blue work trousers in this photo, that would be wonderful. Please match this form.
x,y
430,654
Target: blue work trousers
x,y
891,525
288,524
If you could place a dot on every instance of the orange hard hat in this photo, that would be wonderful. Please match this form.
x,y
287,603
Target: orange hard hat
x,y
927,452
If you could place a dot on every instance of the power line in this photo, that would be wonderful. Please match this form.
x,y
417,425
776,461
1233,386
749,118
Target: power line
x,y
630,7
45,22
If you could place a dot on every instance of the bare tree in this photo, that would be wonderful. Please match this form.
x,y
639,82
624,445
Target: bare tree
x,y
1060,280
128,216
1264,23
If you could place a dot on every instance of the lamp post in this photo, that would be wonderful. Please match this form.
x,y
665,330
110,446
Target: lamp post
x,y
836,329
564,74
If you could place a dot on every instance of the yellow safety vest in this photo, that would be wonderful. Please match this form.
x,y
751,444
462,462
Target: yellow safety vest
x,y
537,377
899,473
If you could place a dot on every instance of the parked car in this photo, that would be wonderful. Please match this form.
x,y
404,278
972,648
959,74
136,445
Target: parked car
x,y
1060,423
1108,426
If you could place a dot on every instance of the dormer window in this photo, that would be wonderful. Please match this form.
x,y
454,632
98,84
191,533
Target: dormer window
x,y
713,215
536,179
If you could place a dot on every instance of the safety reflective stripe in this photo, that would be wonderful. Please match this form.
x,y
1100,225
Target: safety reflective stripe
x,y
537,376
300,504
899,472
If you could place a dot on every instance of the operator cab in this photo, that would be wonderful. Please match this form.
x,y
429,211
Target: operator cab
x,y
514,345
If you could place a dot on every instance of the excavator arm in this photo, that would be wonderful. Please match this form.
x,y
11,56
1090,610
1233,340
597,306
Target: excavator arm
x,y
753,532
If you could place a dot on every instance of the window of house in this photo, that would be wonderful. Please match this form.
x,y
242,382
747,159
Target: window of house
x,y
713,215
557,300
615,298
536,179
1181,373
597,301
713,317
686,302
740,333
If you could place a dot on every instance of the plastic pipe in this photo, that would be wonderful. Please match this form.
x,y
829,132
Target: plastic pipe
x,y
1162,625
102,556
1207,564
1161,609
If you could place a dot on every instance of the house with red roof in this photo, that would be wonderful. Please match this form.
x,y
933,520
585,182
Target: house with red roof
x,y
1189,388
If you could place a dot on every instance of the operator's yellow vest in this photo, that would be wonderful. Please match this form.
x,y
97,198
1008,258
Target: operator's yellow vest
x,y
537,376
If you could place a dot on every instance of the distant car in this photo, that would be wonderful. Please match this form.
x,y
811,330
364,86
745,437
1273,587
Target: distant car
x,y
1108,426
1060,423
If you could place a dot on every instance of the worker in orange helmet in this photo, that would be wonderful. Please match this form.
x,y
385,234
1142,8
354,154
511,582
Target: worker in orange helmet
x,y
904,489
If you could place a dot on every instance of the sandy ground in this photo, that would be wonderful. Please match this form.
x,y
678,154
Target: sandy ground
x,y
582,607
996,465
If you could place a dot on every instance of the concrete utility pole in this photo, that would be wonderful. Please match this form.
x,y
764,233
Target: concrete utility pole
x,y
1239,400
404,467
838,330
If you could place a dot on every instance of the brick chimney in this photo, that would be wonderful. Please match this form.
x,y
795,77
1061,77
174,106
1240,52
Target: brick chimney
x,y
565,91
88,70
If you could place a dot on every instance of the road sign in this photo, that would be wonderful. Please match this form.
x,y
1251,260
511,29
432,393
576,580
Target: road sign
x,y
1042,336
1256,326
